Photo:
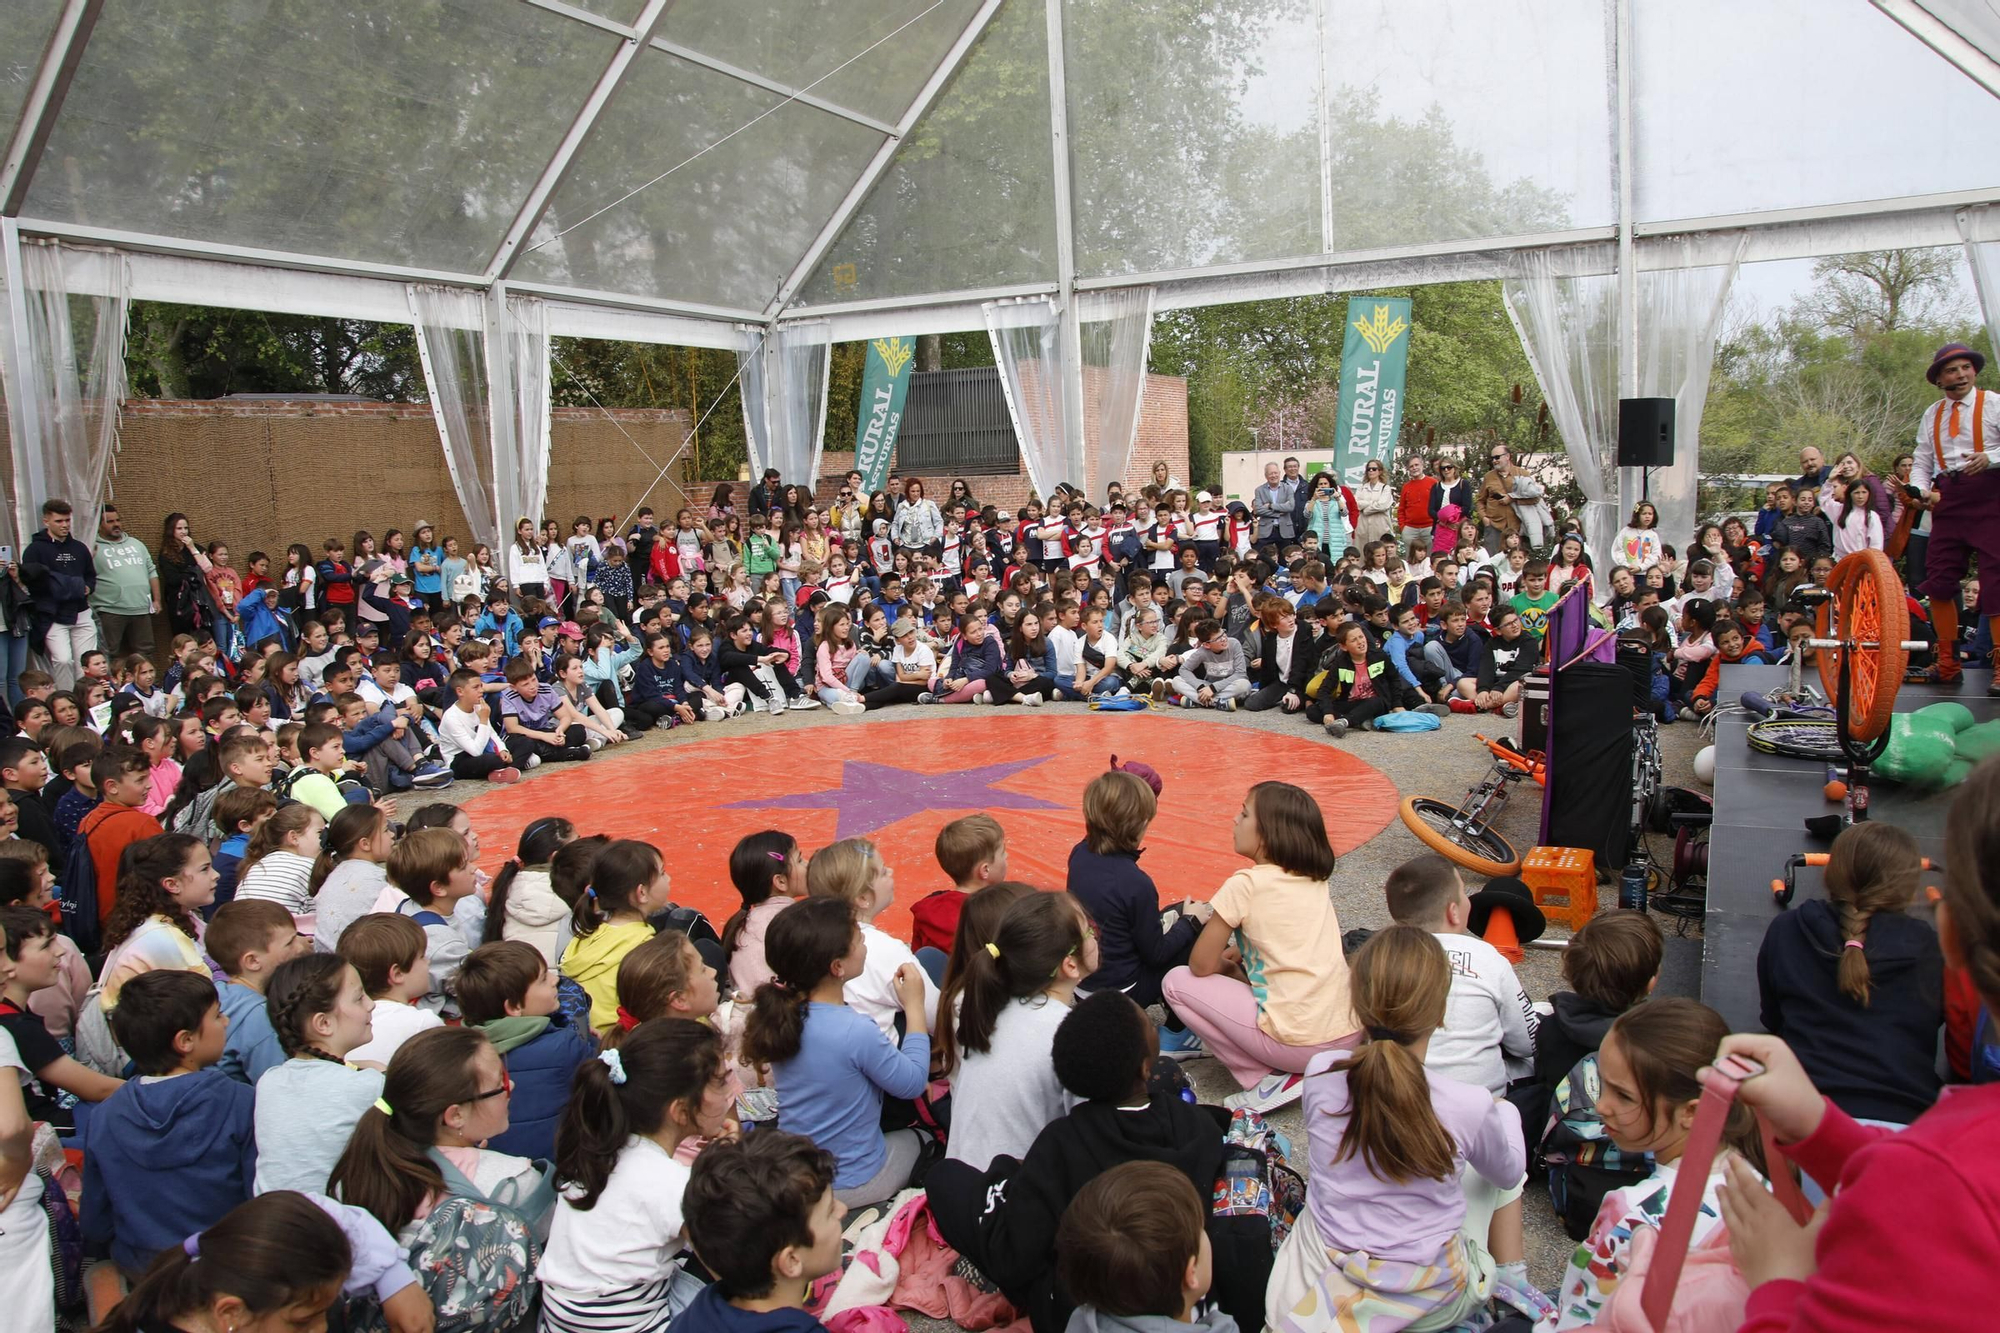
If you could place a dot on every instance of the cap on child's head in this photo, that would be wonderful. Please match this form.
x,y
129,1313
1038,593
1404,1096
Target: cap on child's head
x,y
1146,773
548,622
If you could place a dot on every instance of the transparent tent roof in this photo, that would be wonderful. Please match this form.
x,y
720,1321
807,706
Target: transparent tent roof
x,y
726,161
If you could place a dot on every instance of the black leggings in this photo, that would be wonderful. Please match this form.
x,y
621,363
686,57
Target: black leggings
x,y
747,678
520,747
475,766
1356,711
886,695
1270,696
646,713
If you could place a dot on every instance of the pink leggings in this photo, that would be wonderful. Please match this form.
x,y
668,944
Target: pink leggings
x,y
1223,1013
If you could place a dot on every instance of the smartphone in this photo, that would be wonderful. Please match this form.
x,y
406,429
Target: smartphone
x,y
6,555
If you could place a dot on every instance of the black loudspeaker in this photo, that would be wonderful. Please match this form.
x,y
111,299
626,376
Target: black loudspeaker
x,y
1645,432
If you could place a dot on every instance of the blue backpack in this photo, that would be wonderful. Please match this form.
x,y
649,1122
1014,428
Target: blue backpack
x,y
1408,722
1985,1049
78,894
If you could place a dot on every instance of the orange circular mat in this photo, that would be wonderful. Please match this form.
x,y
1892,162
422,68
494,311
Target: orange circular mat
x,y
898,783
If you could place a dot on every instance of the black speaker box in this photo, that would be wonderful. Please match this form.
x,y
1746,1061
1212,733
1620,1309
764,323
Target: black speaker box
x,y
1645,432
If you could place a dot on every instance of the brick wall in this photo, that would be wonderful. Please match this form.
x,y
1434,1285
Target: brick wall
x,y
263,474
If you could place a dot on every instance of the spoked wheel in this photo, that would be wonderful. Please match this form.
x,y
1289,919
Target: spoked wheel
x,y
1446,832
1871,621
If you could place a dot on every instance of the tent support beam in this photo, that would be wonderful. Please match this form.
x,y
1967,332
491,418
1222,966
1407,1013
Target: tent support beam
x,y
878,166
1071,334
45,99
755,80
1940,37
537,202
1628,482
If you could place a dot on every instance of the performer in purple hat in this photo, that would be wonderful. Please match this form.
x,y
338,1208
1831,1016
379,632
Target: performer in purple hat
x,y
1958,438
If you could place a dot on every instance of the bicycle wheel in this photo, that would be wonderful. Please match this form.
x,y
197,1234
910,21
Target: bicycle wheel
x,y
1873,609
1475,847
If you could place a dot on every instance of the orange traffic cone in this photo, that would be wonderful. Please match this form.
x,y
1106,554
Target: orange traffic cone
x,y
1500,934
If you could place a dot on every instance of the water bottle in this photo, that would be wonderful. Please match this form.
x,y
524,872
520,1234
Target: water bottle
x,y
1632,885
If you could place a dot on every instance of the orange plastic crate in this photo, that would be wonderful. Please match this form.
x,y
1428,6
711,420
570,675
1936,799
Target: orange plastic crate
x,y
1564,882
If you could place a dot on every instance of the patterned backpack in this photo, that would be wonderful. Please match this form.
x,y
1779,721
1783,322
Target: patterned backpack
x,y
475,1258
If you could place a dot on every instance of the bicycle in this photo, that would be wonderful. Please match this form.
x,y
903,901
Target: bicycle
x,y
1464,833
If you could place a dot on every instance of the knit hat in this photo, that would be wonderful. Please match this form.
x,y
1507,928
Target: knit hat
x,y
1146,773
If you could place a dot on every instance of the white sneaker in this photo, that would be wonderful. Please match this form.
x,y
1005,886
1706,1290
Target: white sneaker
x,y
713,712
802,704
775,705
983,697
1031,700
1272,1092
847,708
534,761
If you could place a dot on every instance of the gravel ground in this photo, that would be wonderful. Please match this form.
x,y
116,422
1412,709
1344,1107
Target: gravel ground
x,y
1441,763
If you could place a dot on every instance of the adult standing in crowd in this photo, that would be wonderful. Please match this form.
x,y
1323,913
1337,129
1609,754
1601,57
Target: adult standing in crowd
x,y
184,574
1295,478
1163,477
128,589
1497,515
1376,500
1813,470
765,493
1415,508
60,573
1848,469
1453,488
919,525
1273,507
1957,439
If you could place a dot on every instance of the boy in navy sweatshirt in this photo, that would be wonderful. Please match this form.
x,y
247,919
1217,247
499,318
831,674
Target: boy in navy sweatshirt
x,y
508,991
760,1214
173,1150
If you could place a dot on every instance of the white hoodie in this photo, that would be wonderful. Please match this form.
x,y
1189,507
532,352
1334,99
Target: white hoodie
x,y
535,915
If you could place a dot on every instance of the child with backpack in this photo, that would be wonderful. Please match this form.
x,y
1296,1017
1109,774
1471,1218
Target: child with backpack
x,y
471,1220
1387,1232
1908,1235
307,1105
628,883
430,870
1855,987
1649,1064
1279,916
1018,988
249,941
831,1065
1613,964
614,1250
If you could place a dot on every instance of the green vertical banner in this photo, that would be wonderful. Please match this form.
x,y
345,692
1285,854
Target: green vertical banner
x,y
1373,359
885,383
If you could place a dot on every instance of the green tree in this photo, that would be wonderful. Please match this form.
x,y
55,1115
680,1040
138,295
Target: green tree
x,y
175,351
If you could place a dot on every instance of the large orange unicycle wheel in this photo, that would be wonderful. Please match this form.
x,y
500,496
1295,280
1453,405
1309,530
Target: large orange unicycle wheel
x,y
1869,614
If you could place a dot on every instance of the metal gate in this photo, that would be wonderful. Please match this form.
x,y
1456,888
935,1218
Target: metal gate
x,y
955,423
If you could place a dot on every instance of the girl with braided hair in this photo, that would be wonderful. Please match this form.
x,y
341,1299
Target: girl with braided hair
x,y
1919,1202
307,1106
1855,986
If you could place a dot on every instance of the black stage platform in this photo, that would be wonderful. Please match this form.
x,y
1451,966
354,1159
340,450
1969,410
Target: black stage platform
x,y
1761,803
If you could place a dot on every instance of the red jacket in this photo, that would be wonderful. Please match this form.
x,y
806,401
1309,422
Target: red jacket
x,y
109,829
1413,503
1913,1236
934,920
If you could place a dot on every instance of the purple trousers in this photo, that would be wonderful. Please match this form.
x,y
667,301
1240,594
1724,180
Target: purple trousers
x,y
1966,520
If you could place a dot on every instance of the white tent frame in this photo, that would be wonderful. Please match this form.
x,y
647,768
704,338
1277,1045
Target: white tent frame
x,y
174,269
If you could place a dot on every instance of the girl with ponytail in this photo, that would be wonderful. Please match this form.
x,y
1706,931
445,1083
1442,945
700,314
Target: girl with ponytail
x,y
350,873
1386,1227
663,978
417,1144
628,883
612,1258
1648,1071
1018,987
769,874
1854,985
522,904
831,1065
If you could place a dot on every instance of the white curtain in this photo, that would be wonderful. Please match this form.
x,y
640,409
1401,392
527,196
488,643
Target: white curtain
x,y
1027,344
486,365
65,392
1981,229
1680,315
1116,334
785,376
1569,329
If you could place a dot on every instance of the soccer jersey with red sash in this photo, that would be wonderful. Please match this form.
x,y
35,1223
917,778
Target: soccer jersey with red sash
x,y
1208,527
1057,540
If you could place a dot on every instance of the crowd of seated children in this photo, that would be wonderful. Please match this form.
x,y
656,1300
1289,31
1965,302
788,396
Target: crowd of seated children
x,y
1412,1158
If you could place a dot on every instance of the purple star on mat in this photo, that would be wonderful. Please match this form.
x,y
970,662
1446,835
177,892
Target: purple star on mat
x,y
873,796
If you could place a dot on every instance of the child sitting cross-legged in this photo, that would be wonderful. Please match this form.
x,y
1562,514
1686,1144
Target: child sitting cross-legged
x,y
613,1258
831,1065
508,991
388,951
1135,1255
973,852
307,1106
249,940
1649,1064
172,1150
1005,1219
763,1216
34,964
1387,1232
1289,1002
540,725
853,869
1613,963
628,883
1105,876
1018,988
